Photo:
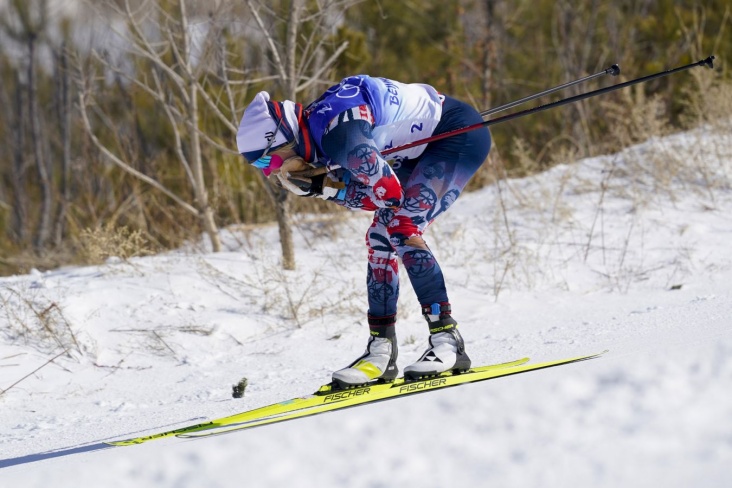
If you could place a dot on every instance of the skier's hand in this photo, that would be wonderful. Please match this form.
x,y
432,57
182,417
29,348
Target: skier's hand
x,y
315,182
330,185
287,176
294,165
298,186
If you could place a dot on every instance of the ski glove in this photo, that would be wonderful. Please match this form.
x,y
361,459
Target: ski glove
x,y
298,186
328,186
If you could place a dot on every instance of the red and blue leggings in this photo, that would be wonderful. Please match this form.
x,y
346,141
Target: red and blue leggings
x,y
430,184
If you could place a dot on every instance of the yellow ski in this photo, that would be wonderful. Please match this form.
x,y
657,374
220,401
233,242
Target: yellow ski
x,y
270,413
328,401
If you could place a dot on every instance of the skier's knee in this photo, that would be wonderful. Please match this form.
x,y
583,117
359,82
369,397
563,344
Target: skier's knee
x,y
404,232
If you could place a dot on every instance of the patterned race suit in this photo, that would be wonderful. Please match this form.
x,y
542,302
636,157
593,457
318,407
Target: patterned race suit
x,y
351,124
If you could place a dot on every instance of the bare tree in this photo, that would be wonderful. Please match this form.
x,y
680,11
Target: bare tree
x,y
63,105
573,35
187,80
297,62
162,36
27,25
489,53
16,201
18,171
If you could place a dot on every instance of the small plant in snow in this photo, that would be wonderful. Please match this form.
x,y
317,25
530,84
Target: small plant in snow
x,y
108,241
34,320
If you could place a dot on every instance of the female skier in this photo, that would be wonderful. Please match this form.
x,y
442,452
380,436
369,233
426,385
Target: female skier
x,y
332,149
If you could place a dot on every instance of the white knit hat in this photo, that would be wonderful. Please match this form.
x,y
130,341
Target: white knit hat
x,y
258,127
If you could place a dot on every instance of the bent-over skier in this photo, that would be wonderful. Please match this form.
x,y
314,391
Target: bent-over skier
x,y
331,149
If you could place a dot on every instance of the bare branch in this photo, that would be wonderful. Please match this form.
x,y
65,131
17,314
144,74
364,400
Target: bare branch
x,y
155,94
124,166
176,132
218,145
293,23
150,53
225,78
34,371
272,46
326,65
217,112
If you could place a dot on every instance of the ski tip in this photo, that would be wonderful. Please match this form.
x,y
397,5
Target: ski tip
x,y
597,355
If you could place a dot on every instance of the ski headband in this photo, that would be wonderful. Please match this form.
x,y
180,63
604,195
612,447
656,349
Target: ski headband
x,y
259,126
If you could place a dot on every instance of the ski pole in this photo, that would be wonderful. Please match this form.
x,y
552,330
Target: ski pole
x,y
612,70
708,62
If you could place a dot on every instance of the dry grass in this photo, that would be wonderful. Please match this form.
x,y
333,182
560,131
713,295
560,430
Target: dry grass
x,y
99,244
537,231
33,320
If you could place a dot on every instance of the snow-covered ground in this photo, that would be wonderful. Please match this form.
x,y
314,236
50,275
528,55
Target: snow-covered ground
x,y
629,252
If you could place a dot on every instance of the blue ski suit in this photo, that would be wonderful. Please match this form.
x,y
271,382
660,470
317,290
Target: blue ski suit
x,y
350,124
